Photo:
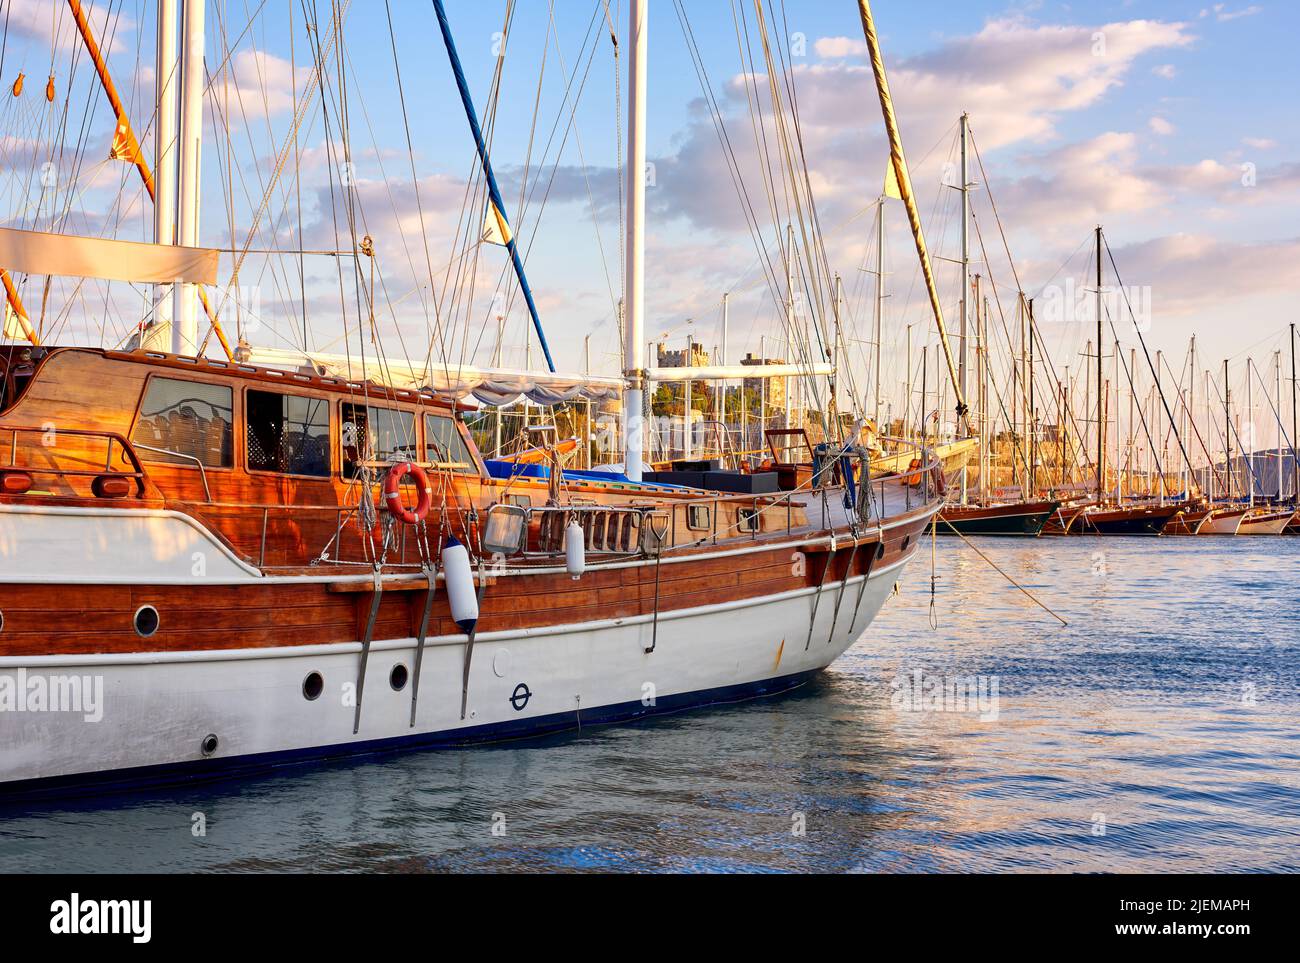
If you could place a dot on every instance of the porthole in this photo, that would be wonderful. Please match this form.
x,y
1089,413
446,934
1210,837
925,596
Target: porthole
x,y
2,621
146,621
209,744
312,686
398,677
907,540
880,551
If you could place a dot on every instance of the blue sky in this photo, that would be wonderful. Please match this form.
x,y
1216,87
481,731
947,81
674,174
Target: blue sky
x,y
1148,135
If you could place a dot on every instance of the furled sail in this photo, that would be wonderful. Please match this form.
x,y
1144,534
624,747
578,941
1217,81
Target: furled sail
x,y
35,252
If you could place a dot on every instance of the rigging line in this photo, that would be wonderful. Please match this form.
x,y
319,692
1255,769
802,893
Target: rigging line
x,y
1232,433
1142,418
764,262
586,178
1141,340
971,545
758,129
1283,436
282,157
997,218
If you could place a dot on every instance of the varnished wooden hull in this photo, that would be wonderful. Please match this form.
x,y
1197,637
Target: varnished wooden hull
x,y
1146,520
1022,519
264,597
1065,520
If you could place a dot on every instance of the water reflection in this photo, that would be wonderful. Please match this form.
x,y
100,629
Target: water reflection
x,y
1155,733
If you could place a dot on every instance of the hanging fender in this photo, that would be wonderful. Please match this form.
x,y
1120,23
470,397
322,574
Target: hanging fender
x,y
393,496
460,586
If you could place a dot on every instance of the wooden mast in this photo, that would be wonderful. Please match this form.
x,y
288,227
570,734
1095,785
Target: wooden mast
x,y
899,162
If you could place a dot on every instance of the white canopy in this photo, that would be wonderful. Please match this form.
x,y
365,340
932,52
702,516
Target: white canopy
x,y
489,386
35,252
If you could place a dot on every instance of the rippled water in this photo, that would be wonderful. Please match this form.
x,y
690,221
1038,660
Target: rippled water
x,y
1157,732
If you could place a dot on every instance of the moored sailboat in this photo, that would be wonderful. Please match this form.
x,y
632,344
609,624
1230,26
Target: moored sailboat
x,y
224,565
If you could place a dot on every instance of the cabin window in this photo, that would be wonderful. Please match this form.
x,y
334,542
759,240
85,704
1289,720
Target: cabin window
x,y
288,434
697,518
375,434
445,446
184,422
747,519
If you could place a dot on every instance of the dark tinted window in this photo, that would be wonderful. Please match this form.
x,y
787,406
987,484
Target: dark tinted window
x,y
375,434
444,445
288,433
188,418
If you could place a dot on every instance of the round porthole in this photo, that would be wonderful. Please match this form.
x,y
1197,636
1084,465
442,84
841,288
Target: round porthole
x,y
209,744
880,551
312,686
907,540
2,621
398,677
146,621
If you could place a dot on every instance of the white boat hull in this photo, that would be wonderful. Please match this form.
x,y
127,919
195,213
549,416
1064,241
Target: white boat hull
x,y
159,708
1272,523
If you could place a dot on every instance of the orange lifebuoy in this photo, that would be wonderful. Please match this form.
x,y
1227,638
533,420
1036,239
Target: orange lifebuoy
x,y
393,498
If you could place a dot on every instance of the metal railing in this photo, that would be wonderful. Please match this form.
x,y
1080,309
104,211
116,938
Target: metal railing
x,y
110,438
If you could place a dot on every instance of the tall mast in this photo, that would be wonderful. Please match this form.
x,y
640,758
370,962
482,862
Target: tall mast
x,y
1227,427
1277,393
899,162
965,257
880,295
962,431
185,333
1033,427
165,139
634,295
1295,466
1101,395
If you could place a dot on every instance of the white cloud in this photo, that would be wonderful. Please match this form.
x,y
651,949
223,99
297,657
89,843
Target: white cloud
x,y
833,48
1165,71
1161,126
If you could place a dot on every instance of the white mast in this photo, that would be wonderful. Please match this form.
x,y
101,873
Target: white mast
x,y
185,337
635,282
165,137
965,258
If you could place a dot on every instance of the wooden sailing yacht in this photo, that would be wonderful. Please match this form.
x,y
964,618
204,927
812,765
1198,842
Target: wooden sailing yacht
x,y
223,564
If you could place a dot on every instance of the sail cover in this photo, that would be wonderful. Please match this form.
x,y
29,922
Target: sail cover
x,y
496,387
35,252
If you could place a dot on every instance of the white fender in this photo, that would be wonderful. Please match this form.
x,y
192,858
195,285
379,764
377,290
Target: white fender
x,y
460,585
575,550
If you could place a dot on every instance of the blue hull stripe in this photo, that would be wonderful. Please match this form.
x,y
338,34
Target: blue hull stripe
x,y
198,771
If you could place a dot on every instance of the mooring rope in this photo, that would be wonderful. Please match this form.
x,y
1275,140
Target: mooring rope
x,y
994,565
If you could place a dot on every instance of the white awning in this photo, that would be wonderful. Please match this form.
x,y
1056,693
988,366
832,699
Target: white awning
x,y
35,252
488,386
